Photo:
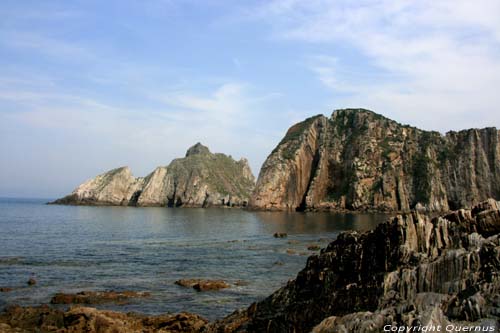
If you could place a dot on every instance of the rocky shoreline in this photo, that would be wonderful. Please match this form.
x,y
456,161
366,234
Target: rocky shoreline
x,y
412,271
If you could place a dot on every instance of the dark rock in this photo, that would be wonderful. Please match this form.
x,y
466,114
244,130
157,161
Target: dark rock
x,y
241,283
96,297
280,235
31,282
5,289
412,269
314,247
203,284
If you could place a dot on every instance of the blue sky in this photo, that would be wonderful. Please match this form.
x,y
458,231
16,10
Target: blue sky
x,y
86,86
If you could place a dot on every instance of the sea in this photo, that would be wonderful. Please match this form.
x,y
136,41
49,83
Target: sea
x,y
75,248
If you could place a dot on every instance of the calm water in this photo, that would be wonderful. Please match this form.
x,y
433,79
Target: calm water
x,y
72,249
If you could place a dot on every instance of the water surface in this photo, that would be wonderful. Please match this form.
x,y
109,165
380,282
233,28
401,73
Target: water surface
x,y
75,248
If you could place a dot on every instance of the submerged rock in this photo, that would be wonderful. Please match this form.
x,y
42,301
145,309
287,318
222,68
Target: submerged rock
x,y
96,297
413,270
31,282
201,179
360,160
280,235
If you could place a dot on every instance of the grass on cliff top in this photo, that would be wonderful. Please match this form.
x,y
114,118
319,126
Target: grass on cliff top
x,y
221,173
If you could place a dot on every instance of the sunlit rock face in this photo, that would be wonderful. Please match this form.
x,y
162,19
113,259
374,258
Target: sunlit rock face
x,y
200,179
360,160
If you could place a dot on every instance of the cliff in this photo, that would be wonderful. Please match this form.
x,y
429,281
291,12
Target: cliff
x,y
200,179
411,271
360,160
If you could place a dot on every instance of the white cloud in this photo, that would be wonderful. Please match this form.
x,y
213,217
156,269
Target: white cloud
x,y
435,63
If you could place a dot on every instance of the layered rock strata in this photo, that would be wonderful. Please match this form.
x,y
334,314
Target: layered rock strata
x,y
360,160
412,271
200,179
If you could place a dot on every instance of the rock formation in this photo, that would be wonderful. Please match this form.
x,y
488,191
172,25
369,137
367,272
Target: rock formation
x,y
200,179
409,272
89,320
359,160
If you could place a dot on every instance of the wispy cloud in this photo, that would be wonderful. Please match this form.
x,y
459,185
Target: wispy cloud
x,y
442,58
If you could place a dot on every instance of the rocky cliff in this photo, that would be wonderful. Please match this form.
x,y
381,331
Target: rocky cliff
x,y
360,160
200,179
412,271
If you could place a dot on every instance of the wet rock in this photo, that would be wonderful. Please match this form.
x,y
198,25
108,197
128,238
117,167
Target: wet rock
x,y
5,289
90,320
241,283
96,297
31,282
314,247
278,263
203,284
280,235
291,252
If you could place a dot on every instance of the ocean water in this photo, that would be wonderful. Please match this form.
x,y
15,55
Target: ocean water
x,y
73,248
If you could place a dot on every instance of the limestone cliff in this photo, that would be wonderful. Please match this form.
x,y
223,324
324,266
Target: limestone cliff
x,y
411,271
359,160
200,179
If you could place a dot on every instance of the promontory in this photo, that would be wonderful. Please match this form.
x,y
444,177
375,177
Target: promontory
x,y
359,160
200,179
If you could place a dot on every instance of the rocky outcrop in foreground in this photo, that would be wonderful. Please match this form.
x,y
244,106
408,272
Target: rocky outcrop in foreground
x,y
409,272
201,179
360,160
89,320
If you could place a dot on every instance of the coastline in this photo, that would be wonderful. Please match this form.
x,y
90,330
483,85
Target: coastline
x,y
411,239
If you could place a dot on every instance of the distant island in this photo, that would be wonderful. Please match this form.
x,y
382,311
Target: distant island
x,y
200,179
356,160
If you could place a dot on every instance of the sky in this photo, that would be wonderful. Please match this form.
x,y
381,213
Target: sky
x,y
87,86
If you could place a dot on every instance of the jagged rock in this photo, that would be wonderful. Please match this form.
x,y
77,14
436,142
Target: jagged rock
x,y
96,297
200,179
411,270
359,160
90,320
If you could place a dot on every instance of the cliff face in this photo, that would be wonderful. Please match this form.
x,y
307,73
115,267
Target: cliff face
x,y
200,179
359,160
407,272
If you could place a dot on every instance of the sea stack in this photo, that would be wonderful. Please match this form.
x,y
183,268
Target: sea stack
x,y
200,179
360,160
